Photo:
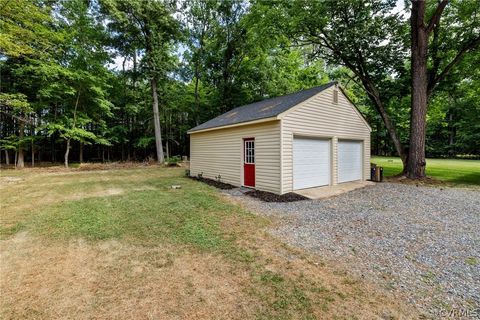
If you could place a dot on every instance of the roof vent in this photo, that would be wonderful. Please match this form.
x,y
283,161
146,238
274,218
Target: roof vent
x,y
335,95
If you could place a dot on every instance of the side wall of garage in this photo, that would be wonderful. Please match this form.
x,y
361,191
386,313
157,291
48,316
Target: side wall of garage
x,y
321,117
220,153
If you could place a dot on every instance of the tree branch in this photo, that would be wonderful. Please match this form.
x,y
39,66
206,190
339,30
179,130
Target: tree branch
x,y
21,119
469,46
435,19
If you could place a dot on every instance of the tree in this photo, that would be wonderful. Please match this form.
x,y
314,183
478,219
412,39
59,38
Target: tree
x,y
17,107
363,36
75,84
152,25
200,17
25,35
370,39
425,78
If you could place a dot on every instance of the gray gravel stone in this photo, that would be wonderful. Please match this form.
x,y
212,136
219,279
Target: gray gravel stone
x,y
422,241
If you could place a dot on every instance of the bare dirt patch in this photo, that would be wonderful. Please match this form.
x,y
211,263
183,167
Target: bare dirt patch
x,y
98,193
116,165
426,181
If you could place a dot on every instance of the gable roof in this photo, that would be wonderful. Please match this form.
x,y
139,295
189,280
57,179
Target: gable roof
x,y
262,109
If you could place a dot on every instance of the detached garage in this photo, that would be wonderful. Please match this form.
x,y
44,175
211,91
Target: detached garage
x,y
312,138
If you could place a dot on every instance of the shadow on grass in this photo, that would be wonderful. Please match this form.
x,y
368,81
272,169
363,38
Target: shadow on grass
x,y
469,179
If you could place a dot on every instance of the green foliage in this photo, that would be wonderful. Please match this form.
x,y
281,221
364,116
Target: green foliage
x,y
82,70
9,143
17,101
67,132
173,161
26,29
144,142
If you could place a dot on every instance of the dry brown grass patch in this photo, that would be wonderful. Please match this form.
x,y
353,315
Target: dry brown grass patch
x,y
113,280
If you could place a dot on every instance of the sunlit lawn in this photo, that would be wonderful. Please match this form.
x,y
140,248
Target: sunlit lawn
x,y
449,170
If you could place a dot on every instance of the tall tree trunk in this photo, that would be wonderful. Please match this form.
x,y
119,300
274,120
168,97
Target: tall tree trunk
x,y
21,134
153,83
80,156
156,122
53,151
419,37
7,158
452,134
33,155
67,151
52,139
197,97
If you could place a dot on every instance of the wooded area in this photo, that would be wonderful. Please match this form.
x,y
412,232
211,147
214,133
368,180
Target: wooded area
x,y
105,80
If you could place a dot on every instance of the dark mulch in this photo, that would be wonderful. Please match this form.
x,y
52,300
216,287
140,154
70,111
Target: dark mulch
x,y
214,183
262,195
272,197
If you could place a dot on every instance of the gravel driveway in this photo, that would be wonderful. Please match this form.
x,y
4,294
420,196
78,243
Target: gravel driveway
x,y
422,241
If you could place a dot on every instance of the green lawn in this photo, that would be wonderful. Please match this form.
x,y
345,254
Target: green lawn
x,y
122,243
458,172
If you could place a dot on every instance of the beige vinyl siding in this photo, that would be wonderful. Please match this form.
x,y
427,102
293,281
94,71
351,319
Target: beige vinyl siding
x,y
320,117
220,152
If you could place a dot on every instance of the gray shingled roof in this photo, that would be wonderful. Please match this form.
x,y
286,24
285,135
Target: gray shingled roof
x,y
261,109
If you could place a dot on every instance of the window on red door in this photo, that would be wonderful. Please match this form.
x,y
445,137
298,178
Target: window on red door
x,y
249,151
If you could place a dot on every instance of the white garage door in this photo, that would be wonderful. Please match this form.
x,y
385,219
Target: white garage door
x,y
349,161
311,163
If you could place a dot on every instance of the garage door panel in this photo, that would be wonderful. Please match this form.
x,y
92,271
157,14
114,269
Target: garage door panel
x,y
311,163
350,161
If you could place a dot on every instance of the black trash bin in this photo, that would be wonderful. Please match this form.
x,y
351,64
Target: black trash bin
x,y
376,173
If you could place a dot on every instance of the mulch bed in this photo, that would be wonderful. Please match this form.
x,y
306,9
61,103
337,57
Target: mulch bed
x,y
272,197
214,183
262,195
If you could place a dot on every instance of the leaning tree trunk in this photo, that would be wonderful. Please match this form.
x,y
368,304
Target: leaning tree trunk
x,y
67,151
374,96
156,121
416,156
20,157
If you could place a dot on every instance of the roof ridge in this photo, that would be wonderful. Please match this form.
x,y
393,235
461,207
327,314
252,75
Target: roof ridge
x,y
328,84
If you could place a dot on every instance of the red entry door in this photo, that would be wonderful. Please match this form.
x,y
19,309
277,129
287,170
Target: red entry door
x,y
249,162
